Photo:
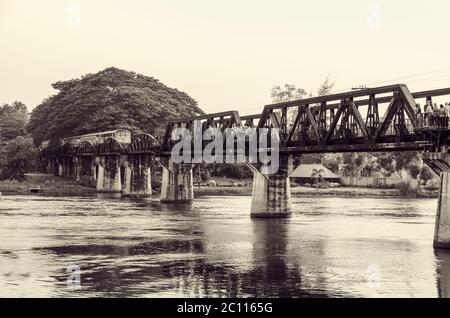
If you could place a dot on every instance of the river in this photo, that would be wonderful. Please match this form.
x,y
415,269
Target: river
x,y
330,247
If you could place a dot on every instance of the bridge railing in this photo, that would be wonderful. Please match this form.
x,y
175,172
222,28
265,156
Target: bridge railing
x,y
430,121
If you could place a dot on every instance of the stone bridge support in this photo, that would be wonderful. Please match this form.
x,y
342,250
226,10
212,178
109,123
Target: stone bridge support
x,y
59,166
66,166
108,174
139,176
439,162
177,185
86,170
271,194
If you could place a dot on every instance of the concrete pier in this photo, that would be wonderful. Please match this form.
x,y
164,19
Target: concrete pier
x,y
271,194
126,175
177,184
60,168
100,177
112,181
442,226
141,177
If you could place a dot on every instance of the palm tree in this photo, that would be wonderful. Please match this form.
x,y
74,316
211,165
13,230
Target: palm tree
x,y
317,175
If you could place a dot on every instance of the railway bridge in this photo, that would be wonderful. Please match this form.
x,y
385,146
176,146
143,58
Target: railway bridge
x,y
367,120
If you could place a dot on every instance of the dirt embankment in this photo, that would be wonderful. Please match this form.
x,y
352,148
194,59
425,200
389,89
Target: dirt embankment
x,y
47,183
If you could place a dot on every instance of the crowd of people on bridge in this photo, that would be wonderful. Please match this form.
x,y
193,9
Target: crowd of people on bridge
x,y
433,116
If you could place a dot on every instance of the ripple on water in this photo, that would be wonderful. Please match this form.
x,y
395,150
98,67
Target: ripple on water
x,y
212,248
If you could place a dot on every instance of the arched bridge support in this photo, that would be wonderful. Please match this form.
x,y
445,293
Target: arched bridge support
x,y
271,193
439,162
177,184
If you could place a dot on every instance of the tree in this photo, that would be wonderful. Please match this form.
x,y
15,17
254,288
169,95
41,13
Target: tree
x,y
426,173
404,159
413,170
13,119
387,163
317,175
326,87
351,164
332,162
288,93
371,166
21,156
110,99
236,171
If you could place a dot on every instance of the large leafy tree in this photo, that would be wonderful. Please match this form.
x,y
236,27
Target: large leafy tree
x,y
21,156
110,99
13,119
17,153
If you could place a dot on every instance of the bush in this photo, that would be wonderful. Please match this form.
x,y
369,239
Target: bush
x,y
426,174
235,171
414,170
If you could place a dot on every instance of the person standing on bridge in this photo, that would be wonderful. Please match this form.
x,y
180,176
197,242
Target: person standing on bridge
x,y
435,116
428,115
446,114
419,115
441,116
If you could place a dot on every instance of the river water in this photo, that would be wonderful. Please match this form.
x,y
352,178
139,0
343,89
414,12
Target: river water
x,y
332,247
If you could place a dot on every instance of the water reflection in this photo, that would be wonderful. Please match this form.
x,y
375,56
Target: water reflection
x,y
211,248
443,273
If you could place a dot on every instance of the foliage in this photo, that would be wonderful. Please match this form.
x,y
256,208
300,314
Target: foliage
x,y
426,173
13,119
110,99
332,162
367,164
351,164
17,153
326,87
413,170
235,171
21,156
287,93
317,176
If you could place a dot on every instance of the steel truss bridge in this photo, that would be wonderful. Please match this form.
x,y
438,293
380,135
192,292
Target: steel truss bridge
x,y
366,120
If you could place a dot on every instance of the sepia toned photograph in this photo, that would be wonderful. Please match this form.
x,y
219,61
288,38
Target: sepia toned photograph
x,y
242,151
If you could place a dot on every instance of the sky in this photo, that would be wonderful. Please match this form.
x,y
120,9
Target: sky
x,y
226,54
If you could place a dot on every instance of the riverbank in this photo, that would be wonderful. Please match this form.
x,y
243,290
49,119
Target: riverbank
x,y
47,183
309,191
52,185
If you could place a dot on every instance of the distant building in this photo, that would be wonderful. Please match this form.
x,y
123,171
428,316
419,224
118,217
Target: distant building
x,y
304,173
